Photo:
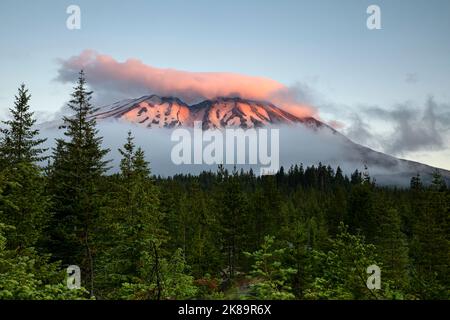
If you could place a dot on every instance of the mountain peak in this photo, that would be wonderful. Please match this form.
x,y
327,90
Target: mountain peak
x,y
220,112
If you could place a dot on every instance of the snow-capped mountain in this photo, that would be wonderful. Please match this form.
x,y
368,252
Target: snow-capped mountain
x,y
168,112
302,140
150,111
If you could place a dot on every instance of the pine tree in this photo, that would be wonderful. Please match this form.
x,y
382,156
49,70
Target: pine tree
x,y
131,223
361,216
341,272
27,275
270,278
416,183
337,209
339,176
20,141
78,164
233,206
25,206
161,278
392,247
266,213
19,150
438,182
126,163
430,245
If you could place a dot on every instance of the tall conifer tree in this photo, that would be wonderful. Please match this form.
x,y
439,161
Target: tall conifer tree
x,y
78,165
20,141
19,151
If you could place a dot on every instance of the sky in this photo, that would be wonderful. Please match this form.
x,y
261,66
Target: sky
x,y
387,89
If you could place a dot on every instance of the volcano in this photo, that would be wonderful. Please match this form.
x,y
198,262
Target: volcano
x,y
302,139
168,112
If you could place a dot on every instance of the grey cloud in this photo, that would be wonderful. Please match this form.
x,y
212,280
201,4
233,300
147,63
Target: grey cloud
x,y
414,128
359,130
304,93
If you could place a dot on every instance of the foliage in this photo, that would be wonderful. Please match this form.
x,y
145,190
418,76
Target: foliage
x,y
75,176
270,277
206,236
342,272
26,275
19,141
161,279
24,205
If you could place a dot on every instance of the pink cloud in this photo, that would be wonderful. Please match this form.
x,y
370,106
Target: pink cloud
x,y
105,74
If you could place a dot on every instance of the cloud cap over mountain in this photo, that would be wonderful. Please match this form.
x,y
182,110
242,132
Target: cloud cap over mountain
x,y
133,77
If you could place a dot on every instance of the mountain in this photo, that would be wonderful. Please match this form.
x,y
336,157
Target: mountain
x,y
169,112
302,140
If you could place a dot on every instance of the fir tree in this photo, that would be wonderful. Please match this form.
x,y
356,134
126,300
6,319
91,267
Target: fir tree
x,y
131,223
342,270
78,164
27,275
25,206
416,183
233,204
161,278
270,278
430,245
392,247
19,152
20,141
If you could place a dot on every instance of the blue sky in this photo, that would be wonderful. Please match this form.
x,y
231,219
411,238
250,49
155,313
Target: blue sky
x,y
322,46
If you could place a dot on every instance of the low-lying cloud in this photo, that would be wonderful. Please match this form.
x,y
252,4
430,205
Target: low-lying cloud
x,y
132,78
297,144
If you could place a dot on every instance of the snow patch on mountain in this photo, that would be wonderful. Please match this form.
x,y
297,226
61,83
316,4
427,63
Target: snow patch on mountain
x,y
167,112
